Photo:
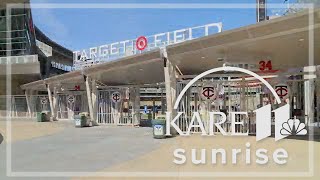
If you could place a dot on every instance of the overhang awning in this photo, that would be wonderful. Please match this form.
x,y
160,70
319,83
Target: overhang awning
x,y
146,68
39,85
140,69
284,40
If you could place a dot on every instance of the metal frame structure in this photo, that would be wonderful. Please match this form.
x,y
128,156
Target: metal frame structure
x,y
176,64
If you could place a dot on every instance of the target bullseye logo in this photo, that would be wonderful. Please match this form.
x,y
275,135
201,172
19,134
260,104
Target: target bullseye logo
x,y
141,43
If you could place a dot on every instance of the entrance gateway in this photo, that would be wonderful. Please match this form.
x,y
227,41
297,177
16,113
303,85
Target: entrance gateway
x,y
114,107
225,95
172,64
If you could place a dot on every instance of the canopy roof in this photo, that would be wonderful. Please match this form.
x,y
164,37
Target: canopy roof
x,y
284,41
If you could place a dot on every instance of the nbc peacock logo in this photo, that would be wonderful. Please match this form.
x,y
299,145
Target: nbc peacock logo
x,y
293,127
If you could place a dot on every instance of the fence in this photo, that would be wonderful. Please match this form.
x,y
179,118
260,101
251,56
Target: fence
x,y
111,112
19,106
227,99
70,105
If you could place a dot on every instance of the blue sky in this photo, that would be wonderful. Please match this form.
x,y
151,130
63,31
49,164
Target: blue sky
x,y
79,29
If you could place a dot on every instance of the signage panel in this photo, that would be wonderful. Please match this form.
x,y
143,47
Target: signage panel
x,y
107,52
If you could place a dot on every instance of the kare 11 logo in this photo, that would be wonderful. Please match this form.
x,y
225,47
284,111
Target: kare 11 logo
x,y
284,125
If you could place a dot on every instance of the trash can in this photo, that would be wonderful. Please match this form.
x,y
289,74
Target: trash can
x,y
46,116
80,121
39,118
42,116
159,128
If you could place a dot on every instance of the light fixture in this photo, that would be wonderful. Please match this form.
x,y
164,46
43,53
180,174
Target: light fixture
x,y
203,57
301,39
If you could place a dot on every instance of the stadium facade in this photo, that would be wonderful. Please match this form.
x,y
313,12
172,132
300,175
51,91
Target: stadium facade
x,y
112,81
30,54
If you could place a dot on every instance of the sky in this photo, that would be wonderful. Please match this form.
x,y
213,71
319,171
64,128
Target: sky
x,y
79,29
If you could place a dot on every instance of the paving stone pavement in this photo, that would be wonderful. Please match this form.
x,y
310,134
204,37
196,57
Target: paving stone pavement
x,y
78,149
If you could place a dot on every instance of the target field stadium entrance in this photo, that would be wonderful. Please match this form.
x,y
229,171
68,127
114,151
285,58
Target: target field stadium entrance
x,y
129,82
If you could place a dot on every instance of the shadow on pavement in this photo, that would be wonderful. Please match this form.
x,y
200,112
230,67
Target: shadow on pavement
x,y
145,123
1,138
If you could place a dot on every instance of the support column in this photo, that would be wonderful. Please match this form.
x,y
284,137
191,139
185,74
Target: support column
x,y
229,98
94,102
170,76
27,94
243,105
88,89
50,100
153,109
171,85
318,101
135,102
33,99
55,104
163,103
309,94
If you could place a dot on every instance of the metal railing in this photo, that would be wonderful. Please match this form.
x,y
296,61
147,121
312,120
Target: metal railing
x,y
19,108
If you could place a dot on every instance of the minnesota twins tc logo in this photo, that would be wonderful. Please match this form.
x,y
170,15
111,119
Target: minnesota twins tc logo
x,y
116,97
208,92
281,90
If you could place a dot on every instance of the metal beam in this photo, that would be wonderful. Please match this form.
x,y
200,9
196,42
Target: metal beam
x,y
88,89
170,75
309,92
55,104
28,101
50,101
94,102
135,102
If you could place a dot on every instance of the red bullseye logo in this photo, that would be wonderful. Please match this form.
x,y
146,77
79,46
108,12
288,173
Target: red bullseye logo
x,y
141,43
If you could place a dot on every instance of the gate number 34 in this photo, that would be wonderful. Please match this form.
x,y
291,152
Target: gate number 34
x,y
265,65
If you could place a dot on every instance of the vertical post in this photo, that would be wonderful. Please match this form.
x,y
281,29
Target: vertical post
x,y
27,94
309,94
94,102
242,95
137,107
135,102
50,100
88,89
34,101
318,100
163,103
116,112
13,109
170,76
55,104
299,94
229,97
318,94
170,83
32,98
153,109
195,102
